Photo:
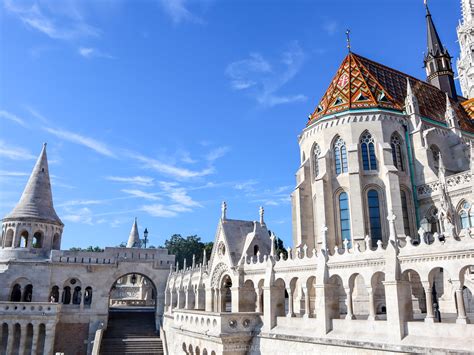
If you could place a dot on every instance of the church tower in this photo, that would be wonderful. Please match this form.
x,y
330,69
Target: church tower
x,y
33,228
465,61
437,61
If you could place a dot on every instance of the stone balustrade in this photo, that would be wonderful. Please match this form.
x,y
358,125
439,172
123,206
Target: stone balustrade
x,y
15,310
453,182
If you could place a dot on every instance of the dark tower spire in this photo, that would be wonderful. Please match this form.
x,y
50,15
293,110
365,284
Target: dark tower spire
x,y
437,61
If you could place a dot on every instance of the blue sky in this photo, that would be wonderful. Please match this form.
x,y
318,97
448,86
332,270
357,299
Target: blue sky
x,y
163,109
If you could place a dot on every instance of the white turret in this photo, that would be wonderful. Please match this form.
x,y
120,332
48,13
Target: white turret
x,y
134,237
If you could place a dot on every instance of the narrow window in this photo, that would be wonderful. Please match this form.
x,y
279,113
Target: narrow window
x,y
88,296
37,240
374,216
16,293
396,144
76,298
435,153
340,156
66,295
28,293
344,217
406,215
255,250
54,296
369,160
466,216
316,154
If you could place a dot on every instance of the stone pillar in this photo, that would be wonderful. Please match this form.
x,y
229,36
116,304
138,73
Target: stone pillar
x,y
462,317
269,309
11,336
167,298
197,298
49,339
399,307
34,341
235,292
171,301
372,313
355,194
258,305
186,298
209,300
22,339
218,307
429,303
290,303
323,318
350,312
306,302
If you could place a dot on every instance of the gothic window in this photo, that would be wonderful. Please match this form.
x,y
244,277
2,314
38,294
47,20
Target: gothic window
x,y
369,161
375,222
88,296
15,296
396,144
255,250
435,154
76,297
315,155
405,212
56,242
54,296
9,238
28,293
344,217
340,156
66,295
23,239
37,240
466,215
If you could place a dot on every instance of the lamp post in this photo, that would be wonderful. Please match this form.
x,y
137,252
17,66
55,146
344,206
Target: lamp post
x,y
145,237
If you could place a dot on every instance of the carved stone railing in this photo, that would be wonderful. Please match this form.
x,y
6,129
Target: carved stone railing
x,y
453,182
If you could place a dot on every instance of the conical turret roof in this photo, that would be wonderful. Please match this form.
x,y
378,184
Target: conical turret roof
x,y
134,237
36,202
435,47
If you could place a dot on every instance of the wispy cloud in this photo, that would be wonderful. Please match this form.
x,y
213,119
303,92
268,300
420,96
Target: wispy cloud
x,y
263,80
14,153
178,194
83,215
169,169
13,173
159,210
11,117
330,27
142,194
246,186
88,142
57,20
271,197
89,53
179,12
217,153
73,203
134,180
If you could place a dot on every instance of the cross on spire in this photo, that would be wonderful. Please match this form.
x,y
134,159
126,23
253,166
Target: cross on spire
x,y
348,39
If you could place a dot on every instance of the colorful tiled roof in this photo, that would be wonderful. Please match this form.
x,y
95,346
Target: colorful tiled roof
x,y
362,83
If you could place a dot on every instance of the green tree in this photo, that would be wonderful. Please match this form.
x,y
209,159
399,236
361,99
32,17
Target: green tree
x,y
89,248
185,248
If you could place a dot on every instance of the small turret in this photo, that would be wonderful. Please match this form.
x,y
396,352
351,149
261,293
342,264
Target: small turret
x,y
134,237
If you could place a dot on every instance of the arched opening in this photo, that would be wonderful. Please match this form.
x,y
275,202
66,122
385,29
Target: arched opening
x,y
16,336
28,293
418,297
37,240
359,297
9,238
41,339
336,297
4,338
66,299
247,297
255,249
15,295
23,239
77,295
280,299
311,297
442,301
226,294
133,291
54,295
375,222
29,337
377,300
56,242
88,296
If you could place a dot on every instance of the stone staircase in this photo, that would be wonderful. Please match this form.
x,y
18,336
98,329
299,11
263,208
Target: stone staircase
x,y
131,332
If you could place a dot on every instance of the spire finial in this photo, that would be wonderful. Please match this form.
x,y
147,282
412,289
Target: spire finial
x,y
261,211
224,210
426,7
348,39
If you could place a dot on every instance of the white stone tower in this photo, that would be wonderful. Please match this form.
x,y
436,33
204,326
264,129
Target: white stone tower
x,y
465,61
134,237
33,228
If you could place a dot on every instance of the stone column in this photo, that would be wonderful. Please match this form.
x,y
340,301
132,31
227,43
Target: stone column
x,y
34,341
399,308
258,305
171,301
269,309
429,303
186,298
323,318
235,292
372,313
209,300
462,317
218,307
290,303
306,302
49,339
22,339
167,298
350,312
11,336
355,194
197,299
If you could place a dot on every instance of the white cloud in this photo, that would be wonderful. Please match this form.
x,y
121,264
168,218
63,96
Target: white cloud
x,y
179,12
73,203
89,52
330,27
246,185
14,153
159,210
217,153
82,215
142,194
134,180
13,173
262,80
178,194
11,117
91,143
168,169
56,19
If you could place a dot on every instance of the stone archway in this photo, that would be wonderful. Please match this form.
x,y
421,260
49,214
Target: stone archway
x,y
133,290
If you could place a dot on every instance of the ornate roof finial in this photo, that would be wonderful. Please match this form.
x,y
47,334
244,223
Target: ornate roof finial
x,y
348,39
204,258
224,210
134,237
261,211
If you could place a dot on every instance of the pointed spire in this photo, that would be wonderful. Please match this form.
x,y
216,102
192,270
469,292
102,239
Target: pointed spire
x,y
36,202
134,238
261,212
435,47
411,102
451,118
204,258
224,211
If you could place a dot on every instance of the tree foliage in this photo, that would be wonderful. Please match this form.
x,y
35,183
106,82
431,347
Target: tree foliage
x,y
185,248
89,248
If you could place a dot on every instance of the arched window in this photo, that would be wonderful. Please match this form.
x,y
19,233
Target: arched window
x,y
66,295
9,238
54,296
56,242
466,215
367,149
76,297
28,293
396,144
433,220
344,217
405,212
15,296
88,296
435,154
37,240
375,222
315,157
340,156
255,249
23,239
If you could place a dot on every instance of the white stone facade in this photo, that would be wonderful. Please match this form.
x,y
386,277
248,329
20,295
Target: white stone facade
x,y
465,61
